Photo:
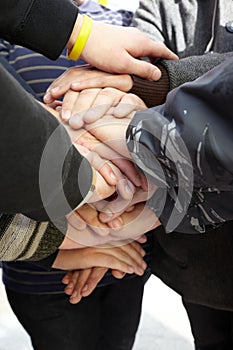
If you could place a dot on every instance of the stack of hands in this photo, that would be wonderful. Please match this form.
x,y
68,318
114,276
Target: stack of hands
x,y
106,232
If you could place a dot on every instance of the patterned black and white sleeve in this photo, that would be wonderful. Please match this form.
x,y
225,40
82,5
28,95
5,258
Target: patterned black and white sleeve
x,y
22,238
186,146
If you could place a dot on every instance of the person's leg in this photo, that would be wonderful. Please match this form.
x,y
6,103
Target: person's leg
x,y
120,313
53,323
211,328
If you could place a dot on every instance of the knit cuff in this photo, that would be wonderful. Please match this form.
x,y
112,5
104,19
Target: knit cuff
x,y
153,93
50,242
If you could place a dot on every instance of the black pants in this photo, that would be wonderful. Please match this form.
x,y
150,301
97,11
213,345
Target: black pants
x,y
106,320
212,328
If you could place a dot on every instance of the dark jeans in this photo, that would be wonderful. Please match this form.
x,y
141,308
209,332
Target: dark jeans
x,y
212,328
106,320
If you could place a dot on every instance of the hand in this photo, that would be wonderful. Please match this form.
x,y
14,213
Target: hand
x,y
113,49
133,224
90,105
120,49
111,210
105,177
81,283
80,78
112,132
126,258
117,170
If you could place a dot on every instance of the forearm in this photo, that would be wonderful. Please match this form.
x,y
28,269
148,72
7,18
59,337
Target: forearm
x,y
31,23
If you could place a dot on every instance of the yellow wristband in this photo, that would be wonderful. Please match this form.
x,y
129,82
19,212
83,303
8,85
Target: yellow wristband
x,y
103,2
82,38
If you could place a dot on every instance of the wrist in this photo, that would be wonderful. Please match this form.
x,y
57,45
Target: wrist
x,y
82,32
75,32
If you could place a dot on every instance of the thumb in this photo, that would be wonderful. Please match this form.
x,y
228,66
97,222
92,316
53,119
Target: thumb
x,y
144,69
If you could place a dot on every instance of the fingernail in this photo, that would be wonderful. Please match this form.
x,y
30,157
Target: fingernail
x,y
112,175
66,115
74,295
108,212
56,89
76,121
130,269
74,85
65,281
47,97
156,74
69,285
141,271
85,288
116,223
129,187
143,253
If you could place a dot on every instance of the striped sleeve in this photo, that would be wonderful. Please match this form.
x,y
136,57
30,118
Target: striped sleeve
x,y
22,238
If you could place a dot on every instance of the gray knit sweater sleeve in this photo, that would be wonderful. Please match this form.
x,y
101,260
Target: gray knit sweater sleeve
x,y
191,68
22,238
147,18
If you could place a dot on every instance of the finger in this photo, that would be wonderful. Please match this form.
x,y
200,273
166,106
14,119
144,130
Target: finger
x,y
91,217
106,98
128,254
128,104
102,166
71,285
129,209
118,274
159,50
137,222
126,189
67,278
124,263
80,283
141,239
119,205
121,164
68,104
55,104
122,82
113,209
128,168
94,278
144,69
76,221
54,93
62,84
84,102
